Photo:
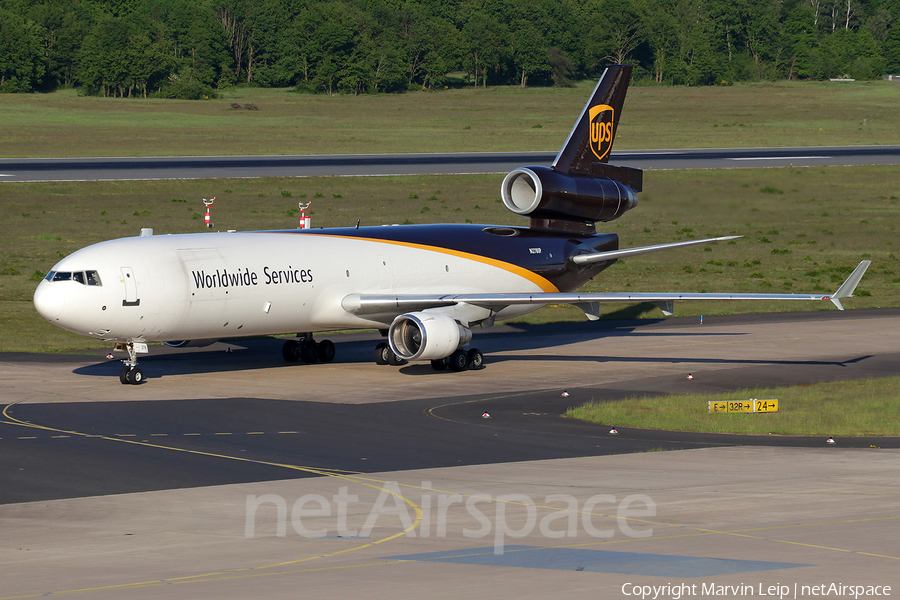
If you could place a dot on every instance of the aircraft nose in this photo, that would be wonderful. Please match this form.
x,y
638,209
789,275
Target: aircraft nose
x,y
48,301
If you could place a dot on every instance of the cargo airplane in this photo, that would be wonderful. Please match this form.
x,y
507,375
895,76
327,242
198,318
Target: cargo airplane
x,y
423,286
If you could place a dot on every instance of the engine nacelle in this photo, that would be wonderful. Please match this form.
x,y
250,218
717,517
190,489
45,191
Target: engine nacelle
x,y
190,343
543,193
429,336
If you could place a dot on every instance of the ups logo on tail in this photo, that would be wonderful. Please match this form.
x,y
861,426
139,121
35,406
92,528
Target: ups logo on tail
x,y
601,123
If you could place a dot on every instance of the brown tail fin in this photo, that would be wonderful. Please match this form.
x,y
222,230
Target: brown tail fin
x,y
586,150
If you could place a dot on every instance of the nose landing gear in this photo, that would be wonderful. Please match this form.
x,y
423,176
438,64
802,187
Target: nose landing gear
x,y
131,374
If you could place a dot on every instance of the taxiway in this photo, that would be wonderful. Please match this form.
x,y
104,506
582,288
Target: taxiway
x,y
231,474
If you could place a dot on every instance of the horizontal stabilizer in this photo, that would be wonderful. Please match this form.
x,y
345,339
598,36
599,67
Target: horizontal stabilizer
x,y
586,259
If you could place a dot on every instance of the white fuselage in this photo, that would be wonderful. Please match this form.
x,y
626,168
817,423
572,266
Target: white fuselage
x,y
217,285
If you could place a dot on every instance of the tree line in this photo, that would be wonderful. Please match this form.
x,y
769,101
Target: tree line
x,y
192,48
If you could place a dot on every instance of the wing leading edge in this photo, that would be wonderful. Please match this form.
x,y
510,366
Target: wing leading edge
x,y
365,304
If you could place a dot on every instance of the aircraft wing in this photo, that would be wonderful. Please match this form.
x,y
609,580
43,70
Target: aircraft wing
x,y
364,304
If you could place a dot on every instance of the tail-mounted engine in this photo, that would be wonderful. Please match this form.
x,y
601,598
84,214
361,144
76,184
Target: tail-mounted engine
x,y
556,200
429,336
580,187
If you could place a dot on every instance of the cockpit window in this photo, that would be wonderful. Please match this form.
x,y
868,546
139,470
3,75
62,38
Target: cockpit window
x,y
82,277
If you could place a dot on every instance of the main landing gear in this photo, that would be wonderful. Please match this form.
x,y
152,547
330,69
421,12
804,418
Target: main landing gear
x,y
305,348
385,356
131,374
460,360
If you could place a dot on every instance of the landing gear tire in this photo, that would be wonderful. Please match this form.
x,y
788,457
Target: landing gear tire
x,y
290,351
393,359
382,354
326,351
476,359
439,365
131,376
385,356
309,351
459,361
136,376
130,373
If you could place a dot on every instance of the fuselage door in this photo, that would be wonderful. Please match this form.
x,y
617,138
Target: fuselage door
x,y
131,294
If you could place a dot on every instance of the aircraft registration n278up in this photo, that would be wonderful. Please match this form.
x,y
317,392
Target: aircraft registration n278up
x,y
424,286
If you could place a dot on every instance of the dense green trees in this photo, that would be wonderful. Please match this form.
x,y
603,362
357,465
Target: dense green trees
x,y
190,48
21,63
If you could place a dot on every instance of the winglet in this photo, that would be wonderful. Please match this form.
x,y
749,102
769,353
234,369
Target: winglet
x,y
849,286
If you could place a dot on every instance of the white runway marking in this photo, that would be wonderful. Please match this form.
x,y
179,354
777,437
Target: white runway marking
x,y
779,158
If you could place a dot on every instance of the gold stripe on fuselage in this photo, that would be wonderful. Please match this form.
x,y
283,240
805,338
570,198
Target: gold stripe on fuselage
x,y
531,276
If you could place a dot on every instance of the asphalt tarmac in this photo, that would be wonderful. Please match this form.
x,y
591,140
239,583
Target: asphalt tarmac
x,y
119,445
231,474
201,167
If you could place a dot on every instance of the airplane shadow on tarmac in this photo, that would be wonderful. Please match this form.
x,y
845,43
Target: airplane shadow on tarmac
x,y
424,369
498,344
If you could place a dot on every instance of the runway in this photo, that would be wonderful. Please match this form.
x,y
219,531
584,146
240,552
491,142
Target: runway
x,y
211,479
202,167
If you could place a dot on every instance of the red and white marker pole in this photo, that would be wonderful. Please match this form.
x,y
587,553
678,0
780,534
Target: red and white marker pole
x,y
209,204
305,221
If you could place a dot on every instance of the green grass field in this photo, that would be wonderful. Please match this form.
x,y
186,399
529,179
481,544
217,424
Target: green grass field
x,y
844,408
503,118
804,229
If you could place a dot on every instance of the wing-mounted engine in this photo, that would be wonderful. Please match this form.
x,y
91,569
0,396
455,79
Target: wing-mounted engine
x,y
556,200
426,335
